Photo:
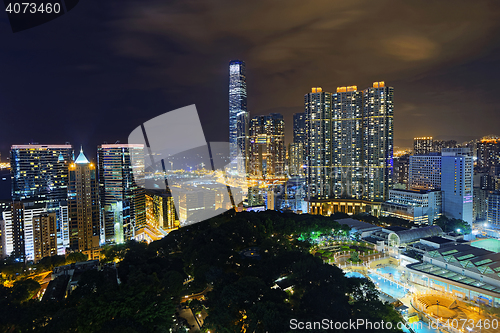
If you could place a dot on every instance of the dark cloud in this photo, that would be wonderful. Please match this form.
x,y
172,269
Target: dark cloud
x,y
96,73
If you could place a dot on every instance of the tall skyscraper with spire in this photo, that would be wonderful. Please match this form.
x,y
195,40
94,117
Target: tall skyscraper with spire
x,y
238,117
83,206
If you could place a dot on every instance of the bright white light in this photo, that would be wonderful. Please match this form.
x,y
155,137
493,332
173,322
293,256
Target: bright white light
x,y
234,69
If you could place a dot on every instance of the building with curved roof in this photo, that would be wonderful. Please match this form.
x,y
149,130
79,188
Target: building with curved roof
x,y
397,238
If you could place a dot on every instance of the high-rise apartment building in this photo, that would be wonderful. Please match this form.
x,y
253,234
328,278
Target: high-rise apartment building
x,y
422,145
83,205
121,193
299,127
378,140
438,145
402,170
349,148
425,172
296,159
238,117
318,147
488,154
296,152
267,146
347,143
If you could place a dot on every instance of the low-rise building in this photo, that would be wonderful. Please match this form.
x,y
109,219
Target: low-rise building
x,y
418,206
468,272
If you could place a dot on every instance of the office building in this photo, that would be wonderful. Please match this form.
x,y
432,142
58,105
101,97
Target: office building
x,y
160,210
267,146
238,117
44,236
40,172
378,140
418,206
423,145
457,183
348,173
121,193
318,148
83,205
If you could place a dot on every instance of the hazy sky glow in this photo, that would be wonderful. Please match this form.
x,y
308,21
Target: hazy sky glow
x,y
99,71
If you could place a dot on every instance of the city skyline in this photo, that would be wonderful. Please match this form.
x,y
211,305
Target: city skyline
x,y
135,70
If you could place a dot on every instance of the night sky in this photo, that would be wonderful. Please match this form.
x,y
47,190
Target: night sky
x,y
102,69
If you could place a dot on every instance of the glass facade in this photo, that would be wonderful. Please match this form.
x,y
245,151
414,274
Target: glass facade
x,y
122,197
238,116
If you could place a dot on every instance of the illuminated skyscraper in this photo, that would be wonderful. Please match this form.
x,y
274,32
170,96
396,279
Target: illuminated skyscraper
x,y
349,146
423,145
299,127
40,172
44,236
296,159
378,140
488,154
452,172
238,117
267,146
19,228
122,197
347,143
296,154
83,205
318,148
457,183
